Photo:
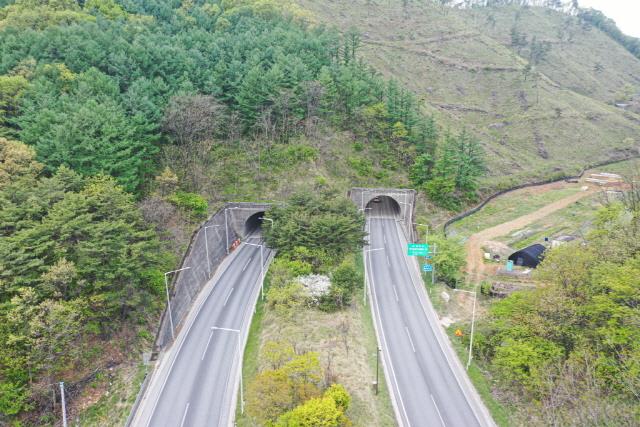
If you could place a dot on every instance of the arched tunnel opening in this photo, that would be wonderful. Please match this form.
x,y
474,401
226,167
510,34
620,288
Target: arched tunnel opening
x,y
253,224
383,206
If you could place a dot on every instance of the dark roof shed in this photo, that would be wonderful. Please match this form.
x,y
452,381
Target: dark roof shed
x,y
530,256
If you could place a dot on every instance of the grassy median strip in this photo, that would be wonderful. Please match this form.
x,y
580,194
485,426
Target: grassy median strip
x,y
346,343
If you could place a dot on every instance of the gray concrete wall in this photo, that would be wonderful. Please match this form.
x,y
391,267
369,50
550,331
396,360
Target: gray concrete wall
x,y
222,229
406,199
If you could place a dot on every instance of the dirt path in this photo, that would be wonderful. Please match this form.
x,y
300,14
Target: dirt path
x,y
473,246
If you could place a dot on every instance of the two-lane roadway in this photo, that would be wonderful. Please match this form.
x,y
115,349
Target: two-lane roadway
x,y
428,385
195,383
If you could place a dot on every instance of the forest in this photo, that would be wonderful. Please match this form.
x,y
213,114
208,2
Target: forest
x,y
567,352
109,114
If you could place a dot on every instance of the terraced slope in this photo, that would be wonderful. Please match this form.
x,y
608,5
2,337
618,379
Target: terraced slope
x,y
556,116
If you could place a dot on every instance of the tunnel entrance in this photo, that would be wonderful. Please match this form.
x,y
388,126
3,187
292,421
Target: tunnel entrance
x,y
383,206
253,223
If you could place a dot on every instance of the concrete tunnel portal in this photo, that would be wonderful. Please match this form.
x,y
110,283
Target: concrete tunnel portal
x,y
383,206
396,203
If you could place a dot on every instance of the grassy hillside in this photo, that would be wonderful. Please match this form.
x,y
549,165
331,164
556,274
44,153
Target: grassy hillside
x,y
556,115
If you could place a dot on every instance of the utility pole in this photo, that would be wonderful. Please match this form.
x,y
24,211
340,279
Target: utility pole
x,y
377,370
426,238
64,405
166,287
237,331
273,224
473,321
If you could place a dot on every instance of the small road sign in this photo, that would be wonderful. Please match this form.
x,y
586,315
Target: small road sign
x,y
418,249
427,268
428,256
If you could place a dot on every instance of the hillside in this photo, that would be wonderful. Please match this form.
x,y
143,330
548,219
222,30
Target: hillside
x,y
556,115
124,123
122,126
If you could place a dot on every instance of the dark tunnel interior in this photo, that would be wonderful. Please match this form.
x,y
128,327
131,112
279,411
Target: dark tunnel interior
x,y
253,223
383,206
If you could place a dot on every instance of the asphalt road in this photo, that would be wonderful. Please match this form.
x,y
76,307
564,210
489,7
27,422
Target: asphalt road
x,y
428,384
196,381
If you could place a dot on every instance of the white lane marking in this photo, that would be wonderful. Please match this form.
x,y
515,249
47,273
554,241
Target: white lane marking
x,y
410,340
247,264
395,292
207,346
388,262
384,238
184,417
227,298
376,308
437,410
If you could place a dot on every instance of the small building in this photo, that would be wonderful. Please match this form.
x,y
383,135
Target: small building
x,y
530,256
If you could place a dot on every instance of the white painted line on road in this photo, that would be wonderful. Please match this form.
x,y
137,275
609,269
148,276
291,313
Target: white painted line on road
x,y
384,238
247,264
395,292
184,417
388,262
437,410
227,298
410,340
207,346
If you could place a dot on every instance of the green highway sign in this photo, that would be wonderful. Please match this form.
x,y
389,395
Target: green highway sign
x,y
418,249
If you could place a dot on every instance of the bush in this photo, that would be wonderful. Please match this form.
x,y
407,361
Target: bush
x,y
325,411
191,203
286,300
273,392
344,280
449,259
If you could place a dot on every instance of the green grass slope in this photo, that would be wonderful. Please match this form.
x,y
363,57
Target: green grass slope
x,y
557,117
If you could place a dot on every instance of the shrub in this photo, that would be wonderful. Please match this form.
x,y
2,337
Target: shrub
x,y
189,202
344,280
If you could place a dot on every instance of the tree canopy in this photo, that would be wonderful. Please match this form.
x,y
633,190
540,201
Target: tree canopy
x,y
76,260
574,343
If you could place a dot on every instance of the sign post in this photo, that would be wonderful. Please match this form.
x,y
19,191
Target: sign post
x,y
433,272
